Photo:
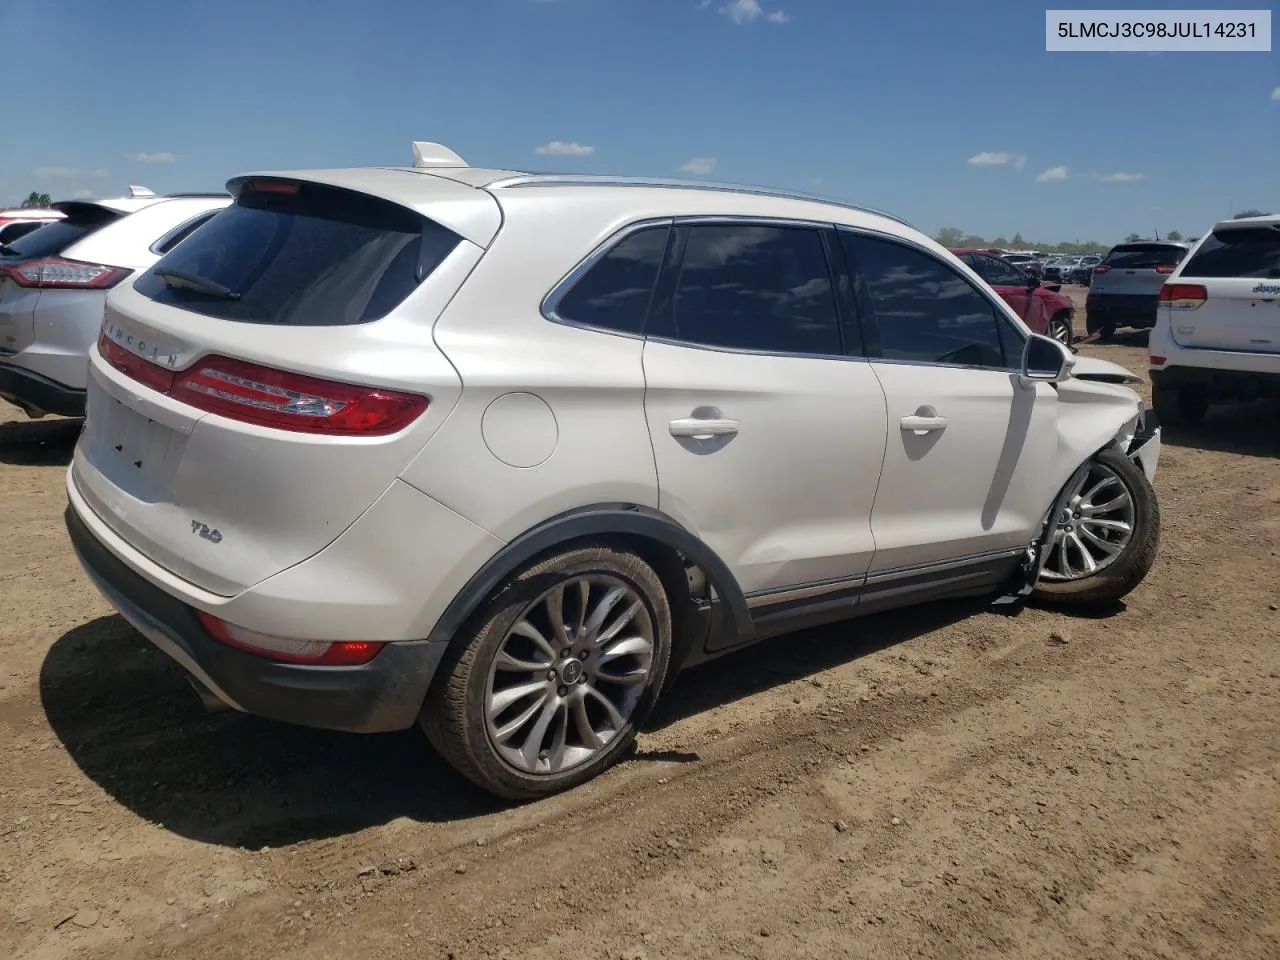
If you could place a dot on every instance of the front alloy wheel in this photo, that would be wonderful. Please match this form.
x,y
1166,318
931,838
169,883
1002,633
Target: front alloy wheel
x,y
1104,540
1060,329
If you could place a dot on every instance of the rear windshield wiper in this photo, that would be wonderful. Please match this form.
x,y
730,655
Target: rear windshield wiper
x,y
181,280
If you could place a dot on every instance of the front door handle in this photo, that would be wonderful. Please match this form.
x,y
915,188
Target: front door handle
x,y
703,429
922,425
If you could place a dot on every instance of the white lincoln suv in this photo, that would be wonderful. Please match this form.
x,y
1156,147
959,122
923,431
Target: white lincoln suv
x,y
500,453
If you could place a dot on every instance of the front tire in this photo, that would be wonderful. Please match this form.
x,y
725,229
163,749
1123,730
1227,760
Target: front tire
x,y
546,686
1178,408
1105,542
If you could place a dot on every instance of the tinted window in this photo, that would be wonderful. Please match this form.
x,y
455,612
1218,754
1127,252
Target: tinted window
x,y
614,292
12,231
186,230
997,272
318,257
756,288
51,239
1253,253
1139,256
924,310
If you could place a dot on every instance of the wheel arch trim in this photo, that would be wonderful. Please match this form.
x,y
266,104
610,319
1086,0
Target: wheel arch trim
x,y
597,520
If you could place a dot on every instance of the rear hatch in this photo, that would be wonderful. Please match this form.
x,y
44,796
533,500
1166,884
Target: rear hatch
x,y
263,384
1235,276
19,293
1136,269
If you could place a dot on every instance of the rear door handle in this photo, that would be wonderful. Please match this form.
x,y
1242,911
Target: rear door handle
x,y
703,429
922,425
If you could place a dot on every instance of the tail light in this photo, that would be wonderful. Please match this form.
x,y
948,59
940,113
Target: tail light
x,y
1157,361
1102,268
266,397
1165,268
58,273
320,653
1183,296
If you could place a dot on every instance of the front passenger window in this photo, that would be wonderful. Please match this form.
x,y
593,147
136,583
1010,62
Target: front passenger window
x,y
925,312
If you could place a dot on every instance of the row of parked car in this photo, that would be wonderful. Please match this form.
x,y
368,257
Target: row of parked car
x,y
1059,269
499,453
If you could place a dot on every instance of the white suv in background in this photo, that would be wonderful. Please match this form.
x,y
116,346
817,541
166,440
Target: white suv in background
x,y
501,452
1217,333
54,283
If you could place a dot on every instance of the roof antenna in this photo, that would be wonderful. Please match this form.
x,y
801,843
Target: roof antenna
x,y
426,153
137,191
1157,234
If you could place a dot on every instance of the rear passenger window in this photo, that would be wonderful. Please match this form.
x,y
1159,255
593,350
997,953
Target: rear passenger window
x,y
1252,252
762,288
174,238
614,293
924,311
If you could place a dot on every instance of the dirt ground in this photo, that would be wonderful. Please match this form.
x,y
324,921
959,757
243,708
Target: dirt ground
x,y
943,783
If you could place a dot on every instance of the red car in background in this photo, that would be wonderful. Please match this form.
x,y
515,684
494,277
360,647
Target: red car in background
x,y
1042,306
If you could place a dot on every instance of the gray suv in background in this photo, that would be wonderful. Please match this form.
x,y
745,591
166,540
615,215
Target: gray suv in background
x,y
1125,287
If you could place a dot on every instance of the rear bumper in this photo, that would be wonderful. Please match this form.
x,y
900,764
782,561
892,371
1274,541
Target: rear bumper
x,y
1121,310
382,695
21,386
1218,382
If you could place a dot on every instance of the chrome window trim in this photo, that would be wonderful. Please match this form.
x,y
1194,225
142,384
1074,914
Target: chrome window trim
x,y
816,588
551,301
586,180
998,304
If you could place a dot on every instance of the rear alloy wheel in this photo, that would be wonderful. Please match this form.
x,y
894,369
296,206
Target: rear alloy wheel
x,y
1060,328
1179,407
1105,539
548,687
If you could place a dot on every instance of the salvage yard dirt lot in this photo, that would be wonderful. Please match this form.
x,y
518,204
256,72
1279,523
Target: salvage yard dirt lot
x,y
945,783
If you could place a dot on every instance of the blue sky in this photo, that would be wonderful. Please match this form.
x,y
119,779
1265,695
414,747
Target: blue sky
x,y
949,114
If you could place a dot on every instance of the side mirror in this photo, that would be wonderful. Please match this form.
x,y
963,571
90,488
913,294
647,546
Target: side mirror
x,y
1047,360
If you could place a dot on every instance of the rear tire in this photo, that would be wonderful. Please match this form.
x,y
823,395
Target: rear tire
x,y
1179,407
1092,526
1059,328
523,708
1104,329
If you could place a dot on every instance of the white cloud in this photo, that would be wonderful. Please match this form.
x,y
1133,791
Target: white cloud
x,y
56,172
1275,94
82,194
748,11
101,173
1053,175
700,165
995,158
1123,177
151,157
561,148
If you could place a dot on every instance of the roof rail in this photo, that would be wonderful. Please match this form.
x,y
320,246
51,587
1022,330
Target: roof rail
x,y
427,153
213,194
588,180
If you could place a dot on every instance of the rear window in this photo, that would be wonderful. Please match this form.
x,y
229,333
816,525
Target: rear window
x,y
1252,253
318,256
1136,256
55,236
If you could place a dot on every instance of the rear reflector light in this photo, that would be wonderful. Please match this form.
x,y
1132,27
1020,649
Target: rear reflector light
x,y
1102,268
1165,268
320,653
1157,361
57,273
267,397
1183,296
